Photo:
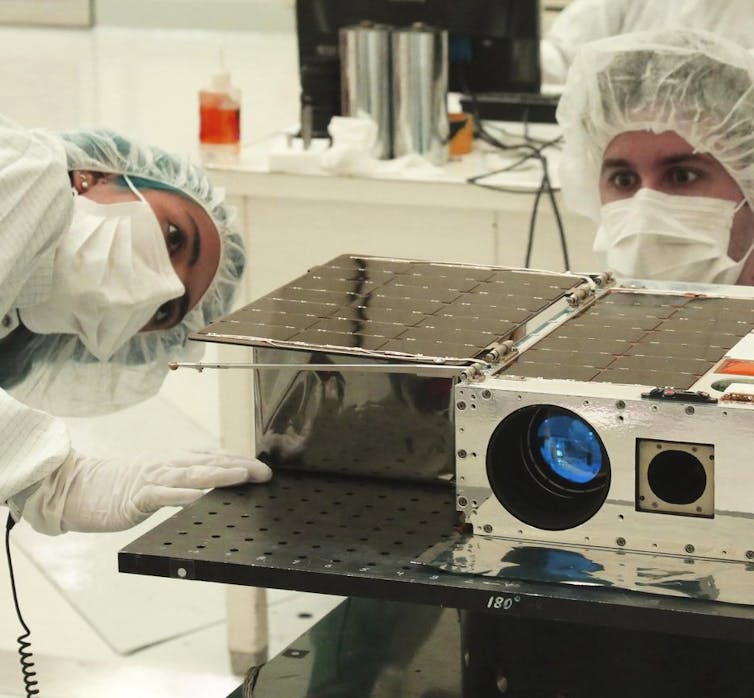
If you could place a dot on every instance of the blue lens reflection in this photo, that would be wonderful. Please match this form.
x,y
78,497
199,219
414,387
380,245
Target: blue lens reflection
x,y
569,448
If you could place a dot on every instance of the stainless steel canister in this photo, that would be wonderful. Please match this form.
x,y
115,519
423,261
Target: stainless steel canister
x,y
420,87
365,79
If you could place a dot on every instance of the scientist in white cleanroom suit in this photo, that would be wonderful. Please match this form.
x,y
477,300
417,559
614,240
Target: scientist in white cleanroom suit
x,y
582,21
659,151
111,253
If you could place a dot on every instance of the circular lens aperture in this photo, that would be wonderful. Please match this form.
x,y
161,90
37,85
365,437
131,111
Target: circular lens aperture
x,y
569,447
548,467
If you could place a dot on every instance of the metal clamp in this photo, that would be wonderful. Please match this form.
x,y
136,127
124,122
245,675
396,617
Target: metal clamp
x,y
497,351
606,278
580,295
473,373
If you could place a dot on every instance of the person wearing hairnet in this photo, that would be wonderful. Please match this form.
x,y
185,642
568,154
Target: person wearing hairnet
x,y
659,151
112,253
582,21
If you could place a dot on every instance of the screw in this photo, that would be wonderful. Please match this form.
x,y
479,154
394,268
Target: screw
x,y
486,394
750,554
689,548
181,572
462,453
620,541
462,501
461,405
487,528
620,404
689,409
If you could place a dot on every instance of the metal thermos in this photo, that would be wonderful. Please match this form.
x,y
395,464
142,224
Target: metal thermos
x,y
420,87
365,79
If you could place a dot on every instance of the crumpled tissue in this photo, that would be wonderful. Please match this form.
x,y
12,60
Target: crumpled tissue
x,y
353,140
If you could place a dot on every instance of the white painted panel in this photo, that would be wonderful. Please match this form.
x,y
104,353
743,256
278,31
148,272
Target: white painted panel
x,y
69,13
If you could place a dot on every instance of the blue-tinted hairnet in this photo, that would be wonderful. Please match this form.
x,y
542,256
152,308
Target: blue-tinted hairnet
x,y
692,82
62,376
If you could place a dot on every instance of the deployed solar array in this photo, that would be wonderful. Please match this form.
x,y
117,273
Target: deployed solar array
x,y
399,309
638,338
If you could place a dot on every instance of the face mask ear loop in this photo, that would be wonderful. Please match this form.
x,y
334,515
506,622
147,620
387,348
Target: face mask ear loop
x,y
134,189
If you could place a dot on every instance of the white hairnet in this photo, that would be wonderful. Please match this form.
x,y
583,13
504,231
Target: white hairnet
x,y
689,81
62,377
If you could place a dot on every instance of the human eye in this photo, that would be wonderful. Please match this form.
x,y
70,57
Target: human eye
x,y
175,238
623,179
162,314
681,176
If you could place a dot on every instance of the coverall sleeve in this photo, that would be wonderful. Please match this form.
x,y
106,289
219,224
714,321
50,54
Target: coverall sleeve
x,y
34,444
35,209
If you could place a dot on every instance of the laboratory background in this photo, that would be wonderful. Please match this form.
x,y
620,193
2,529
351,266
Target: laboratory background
x,y
138,68
142,68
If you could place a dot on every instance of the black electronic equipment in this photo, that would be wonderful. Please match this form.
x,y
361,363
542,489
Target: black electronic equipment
x,y
493,47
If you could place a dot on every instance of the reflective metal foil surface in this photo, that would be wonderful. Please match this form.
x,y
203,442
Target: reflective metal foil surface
x,y
714,580
346,422
365,79
377,312
420,87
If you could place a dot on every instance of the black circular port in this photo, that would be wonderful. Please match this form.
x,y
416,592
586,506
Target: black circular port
x,y
677,477
548,467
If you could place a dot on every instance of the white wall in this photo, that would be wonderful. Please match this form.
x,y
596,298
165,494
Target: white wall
x,y
71,13
256,15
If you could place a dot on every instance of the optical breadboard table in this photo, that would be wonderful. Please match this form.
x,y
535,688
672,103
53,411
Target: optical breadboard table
x,y
361,537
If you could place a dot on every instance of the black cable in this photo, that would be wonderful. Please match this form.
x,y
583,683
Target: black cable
x,y
558,220
545,186
533,220
532,151
27,665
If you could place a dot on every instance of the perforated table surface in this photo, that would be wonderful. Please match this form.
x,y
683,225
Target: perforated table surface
x,y
360,537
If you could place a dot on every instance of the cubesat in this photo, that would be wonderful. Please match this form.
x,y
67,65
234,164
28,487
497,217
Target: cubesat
x,y
594,432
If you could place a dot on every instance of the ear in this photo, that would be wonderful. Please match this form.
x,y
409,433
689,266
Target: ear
x,y
83,180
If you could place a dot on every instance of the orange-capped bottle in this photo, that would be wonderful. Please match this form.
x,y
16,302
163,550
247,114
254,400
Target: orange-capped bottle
x,y
220,119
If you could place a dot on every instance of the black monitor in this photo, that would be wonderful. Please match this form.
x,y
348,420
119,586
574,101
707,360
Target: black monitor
x,y
493,45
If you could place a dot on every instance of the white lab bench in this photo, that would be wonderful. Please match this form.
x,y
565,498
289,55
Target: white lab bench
x,y
291,222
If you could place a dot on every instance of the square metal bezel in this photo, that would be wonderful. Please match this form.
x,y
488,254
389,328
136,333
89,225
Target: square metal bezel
x,y
648,501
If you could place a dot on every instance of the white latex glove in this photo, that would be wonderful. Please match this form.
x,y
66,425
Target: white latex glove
x,y
91,494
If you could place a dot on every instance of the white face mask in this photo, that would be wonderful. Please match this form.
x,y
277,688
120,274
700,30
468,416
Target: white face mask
x,y
111,272
652,235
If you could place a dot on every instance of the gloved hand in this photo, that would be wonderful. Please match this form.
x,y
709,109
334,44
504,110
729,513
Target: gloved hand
x,y
91,494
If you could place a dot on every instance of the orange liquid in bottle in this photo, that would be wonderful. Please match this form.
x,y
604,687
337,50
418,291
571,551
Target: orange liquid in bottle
x,y
219,125
220,120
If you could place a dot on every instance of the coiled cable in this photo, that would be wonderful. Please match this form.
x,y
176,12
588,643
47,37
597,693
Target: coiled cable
x,y
24,652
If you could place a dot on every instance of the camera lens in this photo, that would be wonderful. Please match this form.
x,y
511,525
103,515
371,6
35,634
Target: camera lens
x,y
568,447
548,467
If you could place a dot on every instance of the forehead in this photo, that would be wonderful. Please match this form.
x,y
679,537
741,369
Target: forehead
x,y
645,148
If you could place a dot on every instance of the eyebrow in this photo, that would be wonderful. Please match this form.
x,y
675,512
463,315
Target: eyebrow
x,y
197,244
670,160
